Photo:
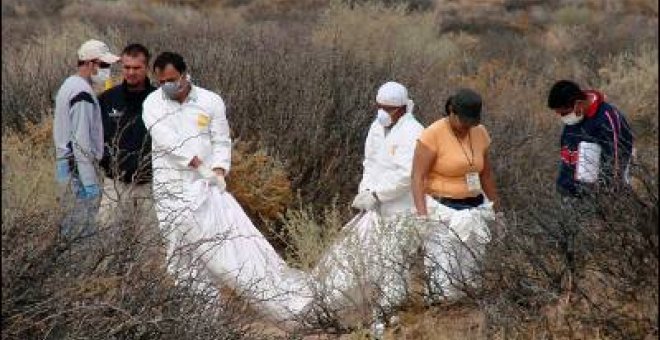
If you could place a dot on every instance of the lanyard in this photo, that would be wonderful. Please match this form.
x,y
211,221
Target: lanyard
x,y
470,162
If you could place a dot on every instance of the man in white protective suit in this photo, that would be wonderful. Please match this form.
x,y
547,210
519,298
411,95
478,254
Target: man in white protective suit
x,y
376,244
207,232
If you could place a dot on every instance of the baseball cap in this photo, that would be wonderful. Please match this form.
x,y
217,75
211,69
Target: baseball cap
x,y
94,49
467,105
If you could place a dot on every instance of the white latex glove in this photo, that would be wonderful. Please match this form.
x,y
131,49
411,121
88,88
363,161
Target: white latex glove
x,y
365,200
212,177
424,223
220,183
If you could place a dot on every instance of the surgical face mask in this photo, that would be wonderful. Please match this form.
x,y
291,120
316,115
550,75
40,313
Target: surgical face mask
x,y
173,88
571,118
101,75
384,118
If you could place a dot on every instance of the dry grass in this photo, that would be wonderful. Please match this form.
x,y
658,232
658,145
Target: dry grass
x,y
299,80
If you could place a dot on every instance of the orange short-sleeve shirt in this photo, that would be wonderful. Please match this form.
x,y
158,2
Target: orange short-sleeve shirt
x,y
446,177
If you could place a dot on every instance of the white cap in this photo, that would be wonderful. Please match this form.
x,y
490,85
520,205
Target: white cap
x,y
94,49
392,94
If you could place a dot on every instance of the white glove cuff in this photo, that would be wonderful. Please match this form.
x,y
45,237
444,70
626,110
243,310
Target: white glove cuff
x,y
205,172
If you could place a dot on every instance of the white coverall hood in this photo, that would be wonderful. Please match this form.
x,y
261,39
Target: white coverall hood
x,y
394,94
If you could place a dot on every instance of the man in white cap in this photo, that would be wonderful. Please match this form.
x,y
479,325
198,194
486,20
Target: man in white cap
x,y
375,245
388,154
78,137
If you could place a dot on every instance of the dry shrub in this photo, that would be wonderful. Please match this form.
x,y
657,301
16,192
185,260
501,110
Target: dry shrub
x,y
283,10
28,172
36,8
409,5
103,289
259,182
382,35
573,15
440,323
140,16
305,91
630,80
642,6
106,14
308,235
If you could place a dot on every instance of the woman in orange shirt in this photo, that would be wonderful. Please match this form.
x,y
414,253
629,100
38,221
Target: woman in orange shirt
x,y
451,158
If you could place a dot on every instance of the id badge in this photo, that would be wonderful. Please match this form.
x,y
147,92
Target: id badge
x,y
473,182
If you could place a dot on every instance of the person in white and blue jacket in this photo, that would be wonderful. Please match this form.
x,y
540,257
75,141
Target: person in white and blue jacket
x,y
596,142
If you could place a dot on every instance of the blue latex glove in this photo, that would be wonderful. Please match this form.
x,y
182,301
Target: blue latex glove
x,y
62,172
90,191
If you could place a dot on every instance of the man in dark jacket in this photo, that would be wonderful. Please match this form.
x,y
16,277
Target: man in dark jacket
x,y
596,142
596,150
127,154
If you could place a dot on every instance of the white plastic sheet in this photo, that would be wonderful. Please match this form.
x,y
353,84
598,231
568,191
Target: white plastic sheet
x,y
236,253
454,244
369,257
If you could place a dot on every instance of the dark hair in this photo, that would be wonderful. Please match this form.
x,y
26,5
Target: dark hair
x,y
466,104
448,106
134,50
170,58
564,93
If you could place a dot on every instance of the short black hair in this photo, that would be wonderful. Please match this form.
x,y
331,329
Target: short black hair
x,y
136,49
170,58
466,104
448,106
564,93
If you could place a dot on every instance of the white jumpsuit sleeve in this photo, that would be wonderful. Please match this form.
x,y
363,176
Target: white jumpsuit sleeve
x,y
220,138
369,162
164,136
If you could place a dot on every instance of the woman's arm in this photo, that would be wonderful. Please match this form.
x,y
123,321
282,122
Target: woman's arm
x,y
422,161
488,182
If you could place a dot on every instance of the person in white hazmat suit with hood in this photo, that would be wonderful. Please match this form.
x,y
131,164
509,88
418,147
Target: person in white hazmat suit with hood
x,y
376,243
207,232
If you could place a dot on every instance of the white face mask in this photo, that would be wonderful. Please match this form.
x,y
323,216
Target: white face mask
x,y
571,118
101,75
384,118
172,89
